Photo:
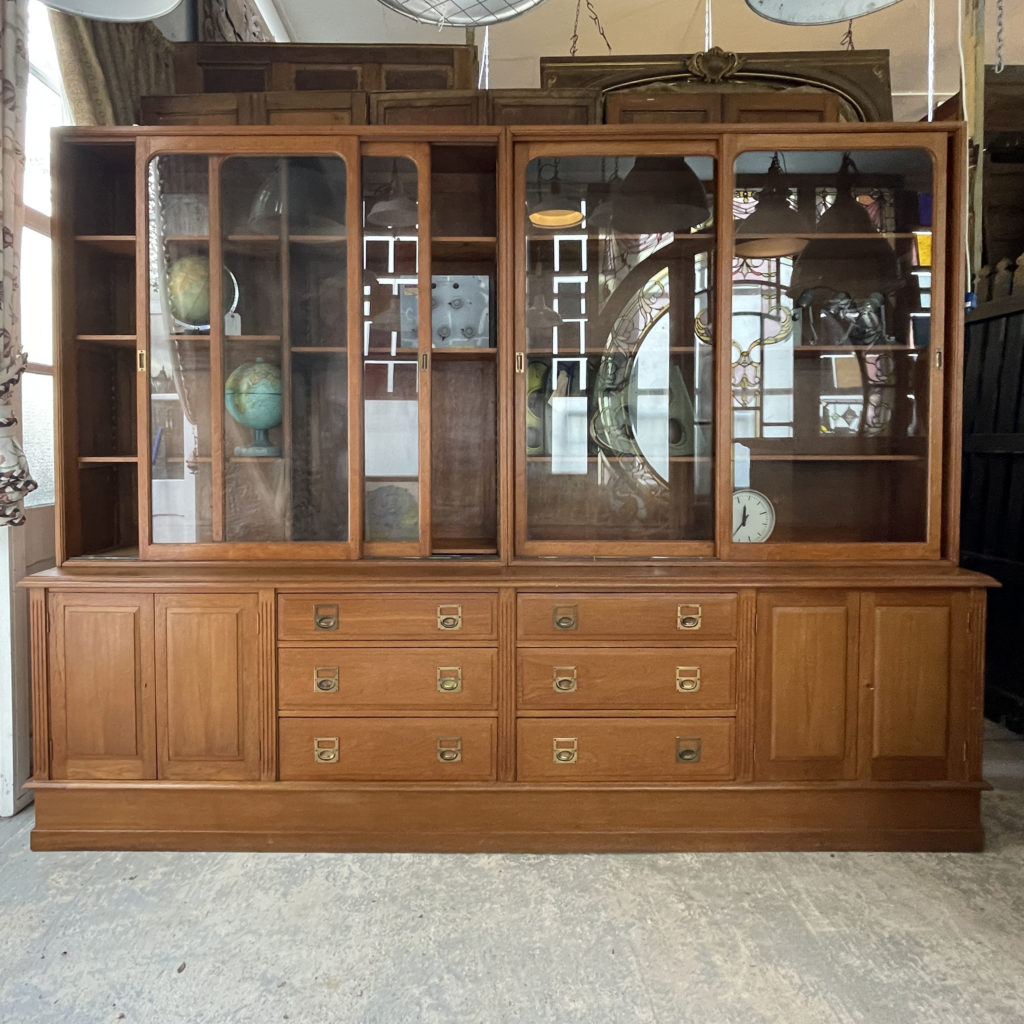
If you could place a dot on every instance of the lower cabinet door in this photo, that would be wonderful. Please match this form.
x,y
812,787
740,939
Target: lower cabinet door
x,y
387,749
101,686
916,679
208,686
806,686
625,749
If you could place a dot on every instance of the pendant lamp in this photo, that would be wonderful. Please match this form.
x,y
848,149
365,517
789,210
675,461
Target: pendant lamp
x,y
390,207
659,195
772,230
858,265
552,210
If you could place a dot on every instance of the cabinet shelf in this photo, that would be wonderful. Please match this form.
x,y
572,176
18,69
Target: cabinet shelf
x,y
810,349
463,248
628,458
109,340
316,350
120,245
84,461
445,354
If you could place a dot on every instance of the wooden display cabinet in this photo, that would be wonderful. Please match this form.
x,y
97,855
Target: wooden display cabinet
x,y
499,488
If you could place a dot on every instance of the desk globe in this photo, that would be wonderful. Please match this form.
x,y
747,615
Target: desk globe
x,y
252,396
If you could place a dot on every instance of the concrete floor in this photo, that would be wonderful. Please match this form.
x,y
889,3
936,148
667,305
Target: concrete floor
x,y
155,938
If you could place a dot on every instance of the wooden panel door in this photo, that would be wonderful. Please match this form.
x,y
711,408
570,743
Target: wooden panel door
x,y
806,679
208,686
640,107
772,107
915,665
101,686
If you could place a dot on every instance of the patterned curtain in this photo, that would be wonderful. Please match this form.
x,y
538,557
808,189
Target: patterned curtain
x,y
15,479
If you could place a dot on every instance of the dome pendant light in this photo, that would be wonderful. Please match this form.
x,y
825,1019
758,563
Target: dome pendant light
x,y
553,211
660,195
773,229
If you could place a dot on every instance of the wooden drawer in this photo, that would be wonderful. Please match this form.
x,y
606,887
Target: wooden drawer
x,y
337,680
560,679
387,749
624,749
594,618
332,616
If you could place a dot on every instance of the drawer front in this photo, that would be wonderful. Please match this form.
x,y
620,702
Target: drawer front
x,y
625,749
433,617
594,618
567,679
339,680
387,749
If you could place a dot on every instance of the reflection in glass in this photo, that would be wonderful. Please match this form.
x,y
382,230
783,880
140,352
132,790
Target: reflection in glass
x,y
830,383
391,316
615,369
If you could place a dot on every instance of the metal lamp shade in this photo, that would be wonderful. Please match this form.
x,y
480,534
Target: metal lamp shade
x,y
394,211
660,194
772,229
856,266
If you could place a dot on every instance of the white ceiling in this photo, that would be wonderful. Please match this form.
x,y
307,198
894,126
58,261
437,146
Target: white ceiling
x,y
672,26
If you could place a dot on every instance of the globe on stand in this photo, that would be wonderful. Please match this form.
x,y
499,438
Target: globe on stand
x,y
252,396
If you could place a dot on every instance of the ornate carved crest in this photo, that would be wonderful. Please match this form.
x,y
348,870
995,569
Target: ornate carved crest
x,y
714,65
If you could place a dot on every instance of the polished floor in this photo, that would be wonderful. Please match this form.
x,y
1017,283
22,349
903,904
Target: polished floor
x,y
815,938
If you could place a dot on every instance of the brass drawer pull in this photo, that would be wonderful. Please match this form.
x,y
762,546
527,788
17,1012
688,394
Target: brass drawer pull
x,y
688,616
565,616
449,680
687,750
449,749
564,679
325,749
325,678
564,749
449,616
325,617
687,679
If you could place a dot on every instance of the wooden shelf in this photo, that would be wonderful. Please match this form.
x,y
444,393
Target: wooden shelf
x,y
462,354
317,350
836,458
628,458
84,461
109,340
464,546
315,241
119,245
463,247
811,349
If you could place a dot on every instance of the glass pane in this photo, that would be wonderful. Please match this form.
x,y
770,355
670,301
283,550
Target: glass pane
x,y
830,326
390,349
279,345
36,286
619,389
179,351
37,435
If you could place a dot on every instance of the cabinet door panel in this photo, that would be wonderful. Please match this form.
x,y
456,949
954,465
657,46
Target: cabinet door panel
x,y
208,659
102,709
911,657
806,686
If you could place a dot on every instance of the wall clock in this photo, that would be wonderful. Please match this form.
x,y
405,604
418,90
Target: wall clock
x,y
753,516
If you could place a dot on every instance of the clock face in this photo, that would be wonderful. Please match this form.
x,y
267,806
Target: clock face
x,y
753,517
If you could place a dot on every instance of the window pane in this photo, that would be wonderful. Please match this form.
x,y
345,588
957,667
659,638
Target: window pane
x,y
45,111
36,297
37,434
42,52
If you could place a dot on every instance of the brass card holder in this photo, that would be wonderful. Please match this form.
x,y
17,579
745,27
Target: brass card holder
x,y
688,616
687,750
449,680
564,679
687,679
325,617
325,678
449,749
564,749
565,616
449,616
325,749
